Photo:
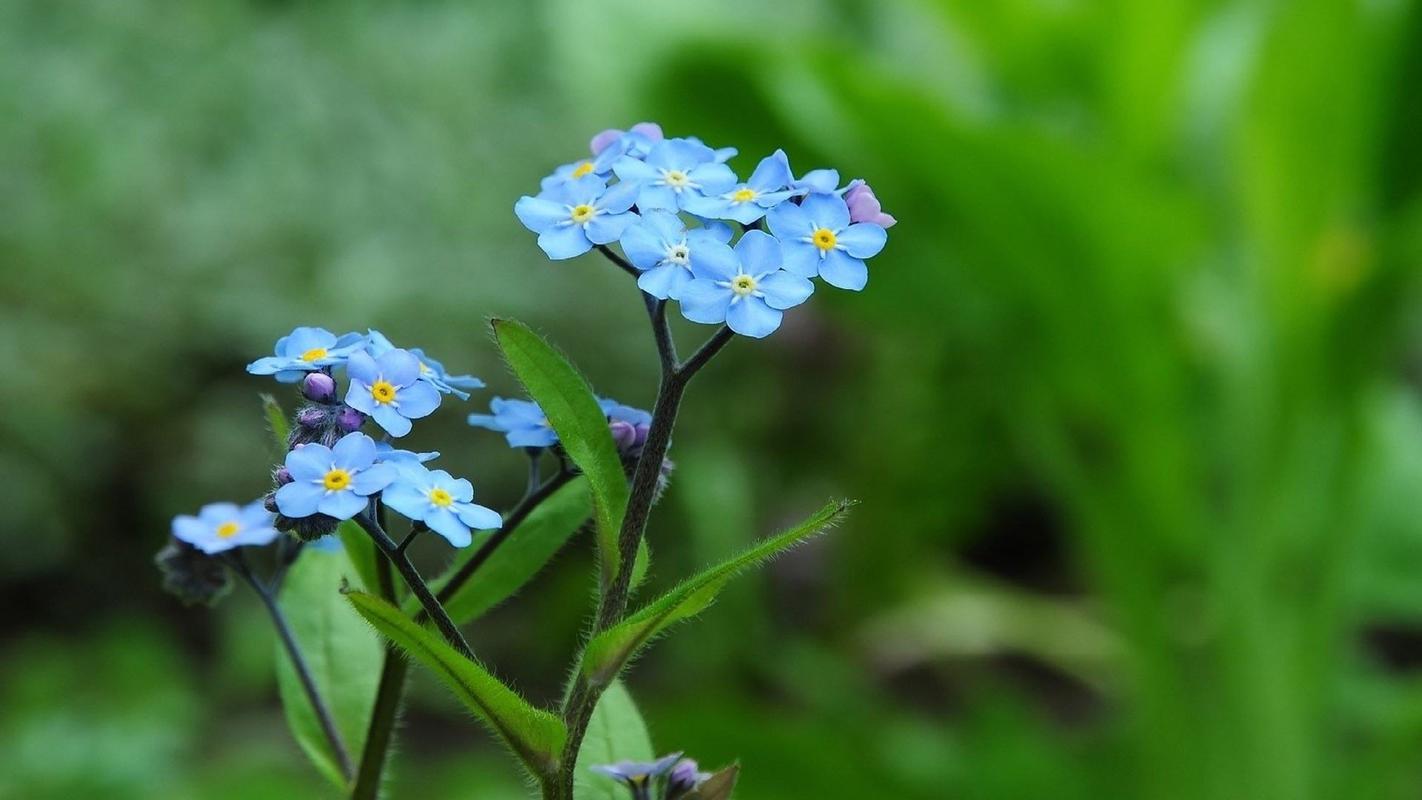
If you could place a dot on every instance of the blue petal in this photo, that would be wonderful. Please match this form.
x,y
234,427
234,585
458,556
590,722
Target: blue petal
x,y
269,365
399,367
630,170
538,214
407,499
759,252
460,488
418,400
376,344
844,271
525,410
714,260
826,211
664,282
789,222
771,174
255,515
304,339
713,178
703,301
488,421
752,317
309,462
374,478
608,228
358,397
564,241
478,517
299,499
718,231
654,196
361,367
783,290
801,258
531,437
618,198
446,524
353,451
642,244
583,190
388,418
823,181
342,505
190,529
712,207
863,239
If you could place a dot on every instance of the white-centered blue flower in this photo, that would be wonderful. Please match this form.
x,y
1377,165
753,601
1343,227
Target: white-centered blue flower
x,y
336,481
661,246
749,296
748,202
389,389
431,371
441,501
674,172
305,350
572,217
223,526
818,239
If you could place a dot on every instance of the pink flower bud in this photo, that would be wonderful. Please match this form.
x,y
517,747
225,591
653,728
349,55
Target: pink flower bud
x,y
864,206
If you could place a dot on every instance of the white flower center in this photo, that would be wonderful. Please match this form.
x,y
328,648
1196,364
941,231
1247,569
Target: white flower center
x,y
679,254
677,179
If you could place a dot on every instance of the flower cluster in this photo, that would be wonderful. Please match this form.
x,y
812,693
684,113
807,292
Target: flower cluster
x,y
667,202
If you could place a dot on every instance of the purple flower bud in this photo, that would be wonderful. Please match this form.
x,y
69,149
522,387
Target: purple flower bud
x,y
684,777
311,417
318,387
269,503
864,206
349,420
624,434
642,431
603,140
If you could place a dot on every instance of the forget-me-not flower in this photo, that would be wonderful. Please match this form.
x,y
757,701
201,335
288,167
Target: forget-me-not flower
x,y
599,165
335,481
636,142
569,219
442,502
389,389
306,350
674,172
521,421
748,202
223,526
431,371
751,297
638,775
818,239
662,247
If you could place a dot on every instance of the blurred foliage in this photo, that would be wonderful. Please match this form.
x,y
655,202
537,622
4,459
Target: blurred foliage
x,y
1131,399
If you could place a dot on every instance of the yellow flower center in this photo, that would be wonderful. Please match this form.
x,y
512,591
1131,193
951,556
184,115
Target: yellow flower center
x,y
336,480
582,213
676,178
383,391
743,285
440,497
314,354
227,530
582,169
824,239
743,195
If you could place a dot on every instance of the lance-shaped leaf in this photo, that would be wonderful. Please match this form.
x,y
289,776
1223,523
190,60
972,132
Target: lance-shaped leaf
x,y
527,549
581,425
610,650
615,733
535,736
276,422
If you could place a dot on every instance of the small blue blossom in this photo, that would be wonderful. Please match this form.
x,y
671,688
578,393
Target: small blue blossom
x,y
599,165
636,142
751,297
674,172
442,502
570,218
521,421
223,526
431,371
638,775
748,202
617,412
335,481
666,251
386,452
818,239
306,350
389,389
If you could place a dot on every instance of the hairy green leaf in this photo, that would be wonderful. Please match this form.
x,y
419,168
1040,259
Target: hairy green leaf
x,y
276,422
361,551
610,650
341,651
572,410
615,732
535,736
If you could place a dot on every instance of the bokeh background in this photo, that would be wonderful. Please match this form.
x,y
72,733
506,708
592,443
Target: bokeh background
x,y
1131,399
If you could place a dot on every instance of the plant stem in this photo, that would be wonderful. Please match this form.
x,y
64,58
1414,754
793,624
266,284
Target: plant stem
x,y
387,703
417,584
298,662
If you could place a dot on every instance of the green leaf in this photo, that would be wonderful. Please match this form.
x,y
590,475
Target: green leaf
x,y
610,650
567,400
341,651
534,735
615,732
276,422
719,786
361,551
515,562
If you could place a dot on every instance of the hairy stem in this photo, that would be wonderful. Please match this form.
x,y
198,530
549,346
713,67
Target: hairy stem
x,y
421,590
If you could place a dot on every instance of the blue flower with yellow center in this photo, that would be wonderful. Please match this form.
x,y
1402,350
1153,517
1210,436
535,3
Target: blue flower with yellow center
x,y
747,202
223,526
819,239
750,296
569,219
666,251
639,776
431,371
389,389
306,350
674,172
599,165
336,481
441,501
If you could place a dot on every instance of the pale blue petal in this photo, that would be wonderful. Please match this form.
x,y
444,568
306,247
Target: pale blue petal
x,y
531,437
304,339
353,451
654,196
826,211
712,207
789,222
618,198
718,231
407,499
564,241
714,260
713,178
268,365
703,301
309,462
488,421
824,181
418,400
608,228
642,244
445,523
374,478
460,488
361,367
661,281
190,529
752,317
844,271
390,420
358,397
863,239
771,174
583,190
478,517
299,499
759,252
783,290
801,258
342,505
630,170
399,367
538,214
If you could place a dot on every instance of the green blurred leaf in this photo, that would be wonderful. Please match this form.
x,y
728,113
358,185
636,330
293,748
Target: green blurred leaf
x,y
535,736
567,399
616,732
610,650
719,786
361,552
341,651
519,558
276,422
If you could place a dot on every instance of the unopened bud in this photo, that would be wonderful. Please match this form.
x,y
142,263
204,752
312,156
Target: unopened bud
x,y
349,420
311,417
624,434
684,777
192,575
282,476
318,387
642,431
864,206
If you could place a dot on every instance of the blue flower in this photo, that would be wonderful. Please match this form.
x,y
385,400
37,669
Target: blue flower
x,y
223,526
667,252
748,201
521,421
389,389
751,297
306,350
571,218
442,502
335,481
818,239
638,775
431,370
617,412
636,142
386,452
599,165
674,172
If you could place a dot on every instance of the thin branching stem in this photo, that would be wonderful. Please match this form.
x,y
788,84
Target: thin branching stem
x,y
401,562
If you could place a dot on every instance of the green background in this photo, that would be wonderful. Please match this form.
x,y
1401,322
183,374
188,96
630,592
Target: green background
x,y
1131,398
